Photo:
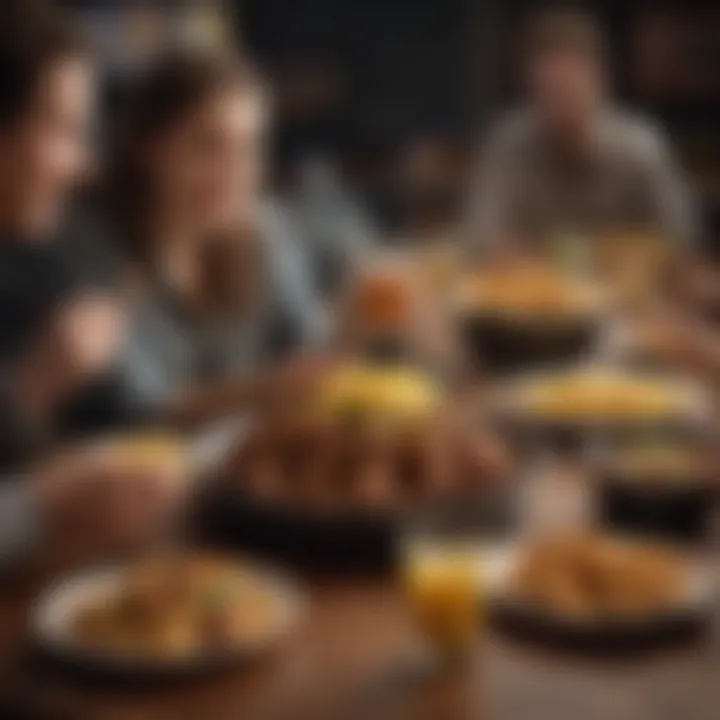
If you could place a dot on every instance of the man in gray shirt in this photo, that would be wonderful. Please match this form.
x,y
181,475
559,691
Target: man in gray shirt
x,y
571,162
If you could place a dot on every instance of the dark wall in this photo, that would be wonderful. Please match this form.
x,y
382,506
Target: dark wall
x,y
403,63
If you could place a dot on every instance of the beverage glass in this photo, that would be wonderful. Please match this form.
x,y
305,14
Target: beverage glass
x,y
441,569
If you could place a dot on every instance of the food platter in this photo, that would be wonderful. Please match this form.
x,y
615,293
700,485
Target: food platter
x,y
338,539
333,489
682,618
517,319
54,627
580,406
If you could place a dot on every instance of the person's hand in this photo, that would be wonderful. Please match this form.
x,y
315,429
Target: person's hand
x,y
78,343
89,495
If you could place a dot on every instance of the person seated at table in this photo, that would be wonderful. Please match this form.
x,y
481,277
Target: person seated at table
x,y
221,289
61,320
571,162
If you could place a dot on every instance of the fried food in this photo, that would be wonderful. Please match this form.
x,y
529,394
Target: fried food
x,y
595,395
375,438
177,606
594,576
529,290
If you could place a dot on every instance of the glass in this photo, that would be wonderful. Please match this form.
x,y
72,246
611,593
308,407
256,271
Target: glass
x,y
443,589
442,571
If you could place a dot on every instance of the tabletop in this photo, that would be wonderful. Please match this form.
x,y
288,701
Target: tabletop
x,y
355,656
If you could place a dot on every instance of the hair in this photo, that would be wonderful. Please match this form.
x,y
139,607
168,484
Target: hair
x,y
566,30
169,90
33,35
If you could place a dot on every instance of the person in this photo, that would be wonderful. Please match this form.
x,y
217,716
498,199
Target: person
x,y
572,162
221,286
61,321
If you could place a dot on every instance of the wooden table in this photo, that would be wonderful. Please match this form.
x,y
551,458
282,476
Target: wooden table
x,y
353,657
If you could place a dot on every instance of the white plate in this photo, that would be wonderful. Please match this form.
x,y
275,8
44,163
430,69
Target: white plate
x,y
53,615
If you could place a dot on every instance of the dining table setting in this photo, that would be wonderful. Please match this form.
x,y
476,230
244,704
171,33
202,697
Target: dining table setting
x,y
523,526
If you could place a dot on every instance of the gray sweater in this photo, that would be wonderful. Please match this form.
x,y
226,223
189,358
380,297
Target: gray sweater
x,y
522,189
167,351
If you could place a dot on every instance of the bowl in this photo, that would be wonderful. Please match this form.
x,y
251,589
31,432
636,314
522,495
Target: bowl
x,y
504,345
666,497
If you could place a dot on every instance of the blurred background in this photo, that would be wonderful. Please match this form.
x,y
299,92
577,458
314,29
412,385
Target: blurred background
x,y
392,96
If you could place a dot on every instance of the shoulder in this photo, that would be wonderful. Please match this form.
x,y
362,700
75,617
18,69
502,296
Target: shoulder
x,y
635,138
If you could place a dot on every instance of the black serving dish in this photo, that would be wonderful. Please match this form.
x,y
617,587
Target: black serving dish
x,y
324,541
613,638
501,345
530,431
680,509
687,621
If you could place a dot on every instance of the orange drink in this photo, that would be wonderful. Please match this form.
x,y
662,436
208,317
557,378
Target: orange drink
x,y
443,589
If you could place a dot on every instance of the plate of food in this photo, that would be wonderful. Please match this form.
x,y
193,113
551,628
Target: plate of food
x,y
569,404
528,315
600,590
331,479
173,613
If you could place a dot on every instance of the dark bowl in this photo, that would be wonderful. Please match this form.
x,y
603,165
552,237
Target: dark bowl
x,y
503,345
679,510
612,638
339,542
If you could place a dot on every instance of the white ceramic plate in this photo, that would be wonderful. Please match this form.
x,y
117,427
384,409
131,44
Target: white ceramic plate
x,y
53,615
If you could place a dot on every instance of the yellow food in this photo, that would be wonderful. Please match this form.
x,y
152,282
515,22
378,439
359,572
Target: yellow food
x,y
375,391
529,289
589,576
176,606
588,395
372,438
147,450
